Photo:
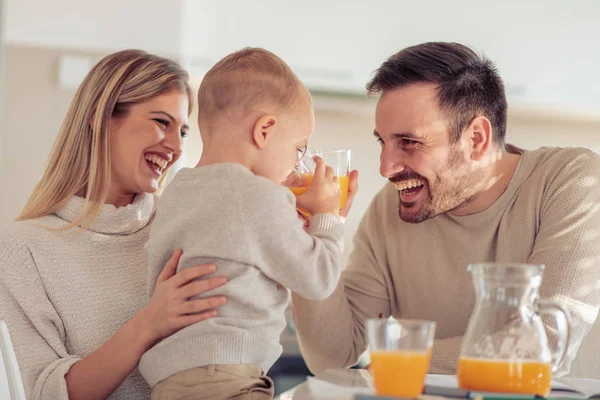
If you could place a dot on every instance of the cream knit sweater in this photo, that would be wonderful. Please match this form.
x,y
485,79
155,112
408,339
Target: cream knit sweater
x,y
248,226
64,295
549,214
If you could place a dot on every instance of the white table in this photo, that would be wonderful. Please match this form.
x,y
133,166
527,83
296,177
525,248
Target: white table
x,y
343,384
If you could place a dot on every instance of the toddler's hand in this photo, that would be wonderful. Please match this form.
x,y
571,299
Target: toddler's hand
x,y
323,195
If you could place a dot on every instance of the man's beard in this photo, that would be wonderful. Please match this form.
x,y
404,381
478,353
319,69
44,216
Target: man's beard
x,y
456,185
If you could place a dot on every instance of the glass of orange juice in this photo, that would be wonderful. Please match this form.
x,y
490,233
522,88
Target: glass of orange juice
x,y
339,160
400,353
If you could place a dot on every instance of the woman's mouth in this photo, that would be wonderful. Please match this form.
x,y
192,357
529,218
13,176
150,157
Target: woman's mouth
x,y
156,163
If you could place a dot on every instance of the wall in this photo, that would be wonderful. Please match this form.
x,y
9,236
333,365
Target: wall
x,y
543,48
33,112
153,25
1,69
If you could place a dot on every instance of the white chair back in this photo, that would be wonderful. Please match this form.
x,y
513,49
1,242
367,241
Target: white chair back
x,y
11,385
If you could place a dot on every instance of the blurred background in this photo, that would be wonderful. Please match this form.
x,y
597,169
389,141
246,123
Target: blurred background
x,y
546,51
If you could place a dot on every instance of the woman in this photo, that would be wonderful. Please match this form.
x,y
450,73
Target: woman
x,y
73,267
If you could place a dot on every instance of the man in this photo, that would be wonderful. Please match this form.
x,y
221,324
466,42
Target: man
x,y
458,194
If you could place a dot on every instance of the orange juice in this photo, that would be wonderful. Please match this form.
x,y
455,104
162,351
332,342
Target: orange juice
x,y
530,377
307,179
399,373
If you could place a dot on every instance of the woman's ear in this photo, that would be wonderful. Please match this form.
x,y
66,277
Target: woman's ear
x,y
264,129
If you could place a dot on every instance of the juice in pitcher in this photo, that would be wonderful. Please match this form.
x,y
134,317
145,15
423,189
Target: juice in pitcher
x,y
399,373
505,376
505,347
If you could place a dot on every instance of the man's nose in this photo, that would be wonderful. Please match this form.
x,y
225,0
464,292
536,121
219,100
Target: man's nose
x,y
391,162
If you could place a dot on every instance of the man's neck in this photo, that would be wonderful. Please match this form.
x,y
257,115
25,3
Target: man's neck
x,y
496,181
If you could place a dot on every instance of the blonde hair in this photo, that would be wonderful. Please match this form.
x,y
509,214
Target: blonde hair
x,y
244,80
80,158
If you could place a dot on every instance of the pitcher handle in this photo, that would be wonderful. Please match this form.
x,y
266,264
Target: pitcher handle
x,y
563,325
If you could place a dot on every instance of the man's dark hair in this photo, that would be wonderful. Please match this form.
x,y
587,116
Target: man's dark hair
x,y
468,85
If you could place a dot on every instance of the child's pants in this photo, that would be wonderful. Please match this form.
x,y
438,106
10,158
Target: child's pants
x,y
236,381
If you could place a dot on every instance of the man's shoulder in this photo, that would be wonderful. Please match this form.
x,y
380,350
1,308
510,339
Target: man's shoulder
x,y
553,161
565,172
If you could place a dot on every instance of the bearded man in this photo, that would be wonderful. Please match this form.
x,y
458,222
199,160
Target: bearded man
x,y
459,194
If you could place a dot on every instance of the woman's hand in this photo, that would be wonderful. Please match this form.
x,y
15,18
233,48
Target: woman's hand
x,y
170,308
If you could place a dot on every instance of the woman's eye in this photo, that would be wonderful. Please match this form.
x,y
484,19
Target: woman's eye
x,y
162,122
184,134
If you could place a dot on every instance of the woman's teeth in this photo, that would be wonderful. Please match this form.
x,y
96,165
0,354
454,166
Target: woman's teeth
x,y
160,162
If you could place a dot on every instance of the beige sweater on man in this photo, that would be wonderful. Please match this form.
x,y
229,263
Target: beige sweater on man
x,y
63,296
549,214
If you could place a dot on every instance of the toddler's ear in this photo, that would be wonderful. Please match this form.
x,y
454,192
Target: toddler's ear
x,y
264,129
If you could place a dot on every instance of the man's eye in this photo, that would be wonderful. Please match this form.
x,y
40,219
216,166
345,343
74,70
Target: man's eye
x,y
408,142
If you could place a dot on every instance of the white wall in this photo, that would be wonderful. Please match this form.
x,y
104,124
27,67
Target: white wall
x,y
1,74
544,49
34,108
153,25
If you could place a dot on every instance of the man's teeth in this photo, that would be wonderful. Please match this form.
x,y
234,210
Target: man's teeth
x,y
160,162
409,184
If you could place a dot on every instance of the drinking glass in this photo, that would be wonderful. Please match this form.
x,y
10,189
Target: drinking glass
x,y
339,160
400,355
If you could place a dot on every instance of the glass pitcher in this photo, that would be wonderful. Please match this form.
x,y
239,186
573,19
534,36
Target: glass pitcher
x,y
505,347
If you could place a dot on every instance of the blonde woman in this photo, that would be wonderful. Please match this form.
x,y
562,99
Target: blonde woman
x,y
73,267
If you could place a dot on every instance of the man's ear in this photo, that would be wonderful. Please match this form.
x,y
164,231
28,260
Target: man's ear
x,y
480,135
264,129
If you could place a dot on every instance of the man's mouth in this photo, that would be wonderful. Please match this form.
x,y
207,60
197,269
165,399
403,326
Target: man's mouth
x,y
410,189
